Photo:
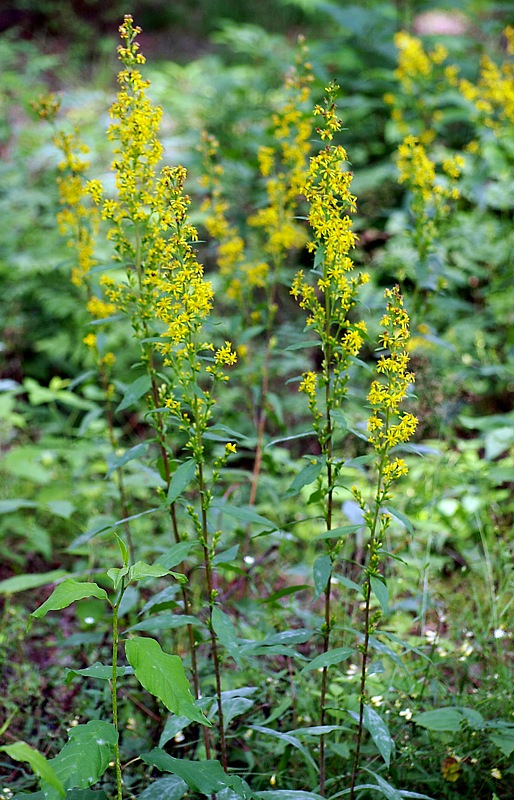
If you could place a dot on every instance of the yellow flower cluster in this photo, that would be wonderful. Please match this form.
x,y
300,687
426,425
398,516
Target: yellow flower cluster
x,y
329,301
388,427
283,168
77,220
431,194
492,96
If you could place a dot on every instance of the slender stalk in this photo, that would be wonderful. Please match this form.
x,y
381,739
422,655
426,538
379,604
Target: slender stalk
x,y
114,694
163,449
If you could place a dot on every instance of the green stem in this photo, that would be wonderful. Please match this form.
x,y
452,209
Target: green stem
x,y
365,645
114,694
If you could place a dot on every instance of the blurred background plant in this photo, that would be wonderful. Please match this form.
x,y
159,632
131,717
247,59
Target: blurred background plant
x,y
448,82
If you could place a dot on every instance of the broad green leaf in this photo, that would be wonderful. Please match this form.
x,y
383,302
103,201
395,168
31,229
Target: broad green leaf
x,y
129,455
504,741
165,622
338,533
247,515
403,519
227,556
116,574
176,554
67,593
86,756
133,392
225,631
61,508
234,707
440,719
20,583
169,788
142,570
163,676
174,724
8,506
181,478
330,658
305,477
379,589
20,751
101,671
288,738
322,571
294,636
379,732
206,777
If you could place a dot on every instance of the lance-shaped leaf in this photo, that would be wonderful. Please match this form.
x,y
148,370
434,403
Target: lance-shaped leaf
x,y
329,658
67,593
379,732
163,676
206,777
20,751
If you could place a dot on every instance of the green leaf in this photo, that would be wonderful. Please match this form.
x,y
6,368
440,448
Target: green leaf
x,y
174,725
163,676
133,392
403,519
8,506
247,515
206,777
129,455
227,556
286,592
116,574
330,658
67,593
182,477
338,533
176,554
125,552
305,477
440,719
234,707
86,756
302,345
380,591
226,633
142,570
289,739
387,790
379,732
20,751
293,636
322,571
21,583
504,741
288,794
169,788
101,671
344,581
165,622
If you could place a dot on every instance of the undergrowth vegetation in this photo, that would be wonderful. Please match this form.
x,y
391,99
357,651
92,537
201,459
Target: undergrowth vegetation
x,y
255,419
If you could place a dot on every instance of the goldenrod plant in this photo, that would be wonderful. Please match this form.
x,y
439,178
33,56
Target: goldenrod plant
x,y
255,266
312,597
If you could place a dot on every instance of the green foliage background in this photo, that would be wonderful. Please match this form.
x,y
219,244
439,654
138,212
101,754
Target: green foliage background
x,y
442,674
